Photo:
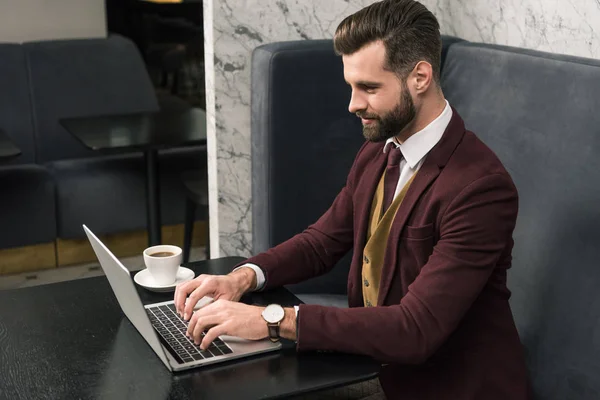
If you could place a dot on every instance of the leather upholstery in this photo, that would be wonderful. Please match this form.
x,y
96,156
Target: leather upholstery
x,y
538,112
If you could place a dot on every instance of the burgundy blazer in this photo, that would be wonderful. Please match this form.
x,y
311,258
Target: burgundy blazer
x,y
443,325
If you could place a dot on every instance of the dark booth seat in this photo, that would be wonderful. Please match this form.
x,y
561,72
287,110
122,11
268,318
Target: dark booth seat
x,y
27,206
27,190
538,112
91,77
108,193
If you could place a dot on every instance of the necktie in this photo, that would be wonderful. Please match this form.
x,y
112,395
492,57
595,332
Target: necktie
x,y
392,175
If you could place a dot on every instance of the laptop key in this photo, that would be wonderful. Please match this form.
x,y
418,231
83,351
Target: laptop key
x,y
215,350
226,350
187,359
206,353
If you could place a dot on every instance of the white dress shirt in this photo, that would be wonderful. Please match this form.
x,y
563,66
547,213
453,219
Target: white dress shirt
x,y
414,149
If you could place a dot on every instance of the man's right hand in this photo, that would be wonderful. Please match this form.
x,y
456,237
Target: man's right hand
x,y
228,287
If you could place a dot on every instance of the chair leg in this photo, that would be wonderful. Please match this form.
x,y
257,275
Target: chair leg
x,y
190,214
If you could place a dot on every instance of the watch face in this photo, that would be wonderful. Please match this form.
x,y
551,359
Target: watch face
x,y
273,313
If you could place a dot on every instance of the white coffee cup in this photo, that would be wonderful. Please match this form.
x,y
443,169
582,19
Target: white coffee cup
x,y
163,262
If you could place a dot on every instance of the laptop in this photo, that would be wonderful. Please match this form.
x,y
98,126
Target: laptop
x,y
162,328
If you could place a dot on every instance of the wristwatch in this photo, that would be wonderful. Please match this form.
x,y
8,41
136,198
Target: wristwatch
x,y
273,314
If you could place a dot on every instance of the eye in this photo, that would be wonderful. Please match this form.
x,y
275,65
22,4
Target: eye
x,y
368,89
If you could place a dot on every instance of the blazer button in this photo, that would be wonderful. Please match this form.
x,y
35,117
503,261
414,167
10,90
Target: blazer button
x,y
366,282
366,259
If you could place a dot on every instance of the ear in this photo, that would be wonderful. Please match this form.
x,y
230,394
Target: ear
x,y
422,77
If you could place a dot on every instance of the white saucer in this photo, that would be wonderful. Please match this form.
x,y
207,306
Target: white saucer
x,y
144,279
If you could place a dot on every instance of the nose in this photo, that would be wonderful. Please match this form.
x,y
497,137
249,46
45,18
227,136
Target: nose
x,y
357,103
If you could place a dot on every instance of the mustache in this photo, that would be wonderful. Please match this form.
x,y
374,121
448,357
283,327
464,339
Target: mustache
x,y
364,115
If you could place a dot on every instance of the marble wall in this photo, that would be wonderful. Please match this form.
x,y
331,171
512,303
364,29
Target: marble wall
x,y
558,26
235,27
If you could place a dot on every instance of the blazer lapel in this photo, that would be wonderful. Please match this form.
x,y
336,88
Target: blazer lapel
x,y
364,196
425,176
429,171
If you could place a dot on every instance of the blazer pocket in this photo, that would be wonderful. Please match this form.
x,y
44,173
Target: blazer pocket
x,y
417,232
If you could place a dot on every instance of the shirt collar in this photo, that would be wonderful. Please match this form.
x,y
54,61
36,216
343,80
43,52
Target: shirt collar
x,y
416,147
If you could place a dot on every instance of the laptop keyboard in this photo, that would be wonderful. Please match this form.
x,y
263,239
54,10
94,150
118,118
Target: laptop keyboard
x,y
172,330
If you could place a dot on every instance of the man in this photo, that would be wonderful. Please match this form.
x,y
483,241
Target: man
x,y
429,211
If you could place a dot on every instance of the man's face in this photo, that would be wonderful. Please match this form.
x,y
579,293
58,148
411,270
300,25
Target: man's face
x,y
379,97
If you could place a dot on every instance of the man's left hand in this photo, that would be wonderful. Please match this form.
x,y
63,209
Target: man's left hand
x,y
224,317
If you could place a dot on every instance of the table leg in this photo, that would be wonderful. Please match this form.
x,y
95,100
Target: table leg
x,y
152,197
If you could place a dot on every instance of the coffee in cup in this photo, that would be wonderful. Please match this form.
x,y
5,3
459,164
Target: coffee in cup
x,y
163,262
162,254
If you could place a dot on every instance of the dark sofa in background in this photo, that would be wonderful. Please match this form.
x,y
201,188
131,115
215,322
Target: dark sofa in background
x,y
57,184
537,111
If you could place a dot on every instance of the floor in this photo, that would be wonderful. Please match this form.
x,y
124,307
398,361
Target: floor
x,y
76,272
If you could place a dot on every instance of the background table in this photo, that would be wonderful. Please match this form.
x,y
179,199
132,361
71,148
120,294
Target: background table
x,y
70,340
147,132
7,148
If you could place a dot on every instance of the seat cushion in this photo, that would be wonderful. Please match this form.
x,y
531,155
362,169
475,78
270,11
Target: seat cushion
x,y
538,112
108,194
27,207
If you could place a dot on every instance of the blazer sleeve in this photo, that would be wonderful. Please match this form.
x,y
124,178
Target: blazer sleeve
x,y
316,250
474,231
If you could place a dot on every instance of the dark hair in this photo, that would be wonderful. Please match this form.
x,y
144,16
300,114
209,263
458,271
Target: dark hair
x,y
409,31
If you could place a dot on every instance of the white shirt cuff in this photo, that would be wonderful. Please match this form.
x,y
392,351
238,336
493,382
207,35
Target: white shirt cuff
x,y
260,276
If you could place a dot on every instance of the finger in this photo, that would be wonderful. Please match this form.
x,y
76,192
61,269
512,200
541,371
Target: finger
x,y
212,334
181,292
202,324
205,288
196,315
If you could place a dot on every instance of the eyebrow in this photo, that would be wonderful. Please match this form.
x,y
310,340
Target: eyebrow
x,y
367,84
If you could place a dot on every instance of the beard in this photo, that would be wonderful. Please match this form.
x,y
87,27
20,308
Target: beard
x,y
392,123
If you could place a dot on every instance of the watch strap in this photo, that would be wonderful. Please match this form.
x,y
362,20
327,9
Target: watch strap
x,y
273,331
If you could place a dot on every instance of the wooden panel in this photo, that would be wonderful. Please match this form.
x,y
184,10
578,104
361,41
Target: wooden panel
x,y
27,258
79,251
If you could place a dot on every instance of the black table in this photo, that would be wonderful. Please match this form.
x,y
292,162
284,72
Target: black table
x,y
7,148
70,340
147,132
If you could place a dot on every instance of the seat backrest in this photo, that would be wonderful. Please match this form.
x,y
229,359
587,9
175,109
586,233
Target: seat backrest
x,y
15,105
303,144
304,141
539,113
73,78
